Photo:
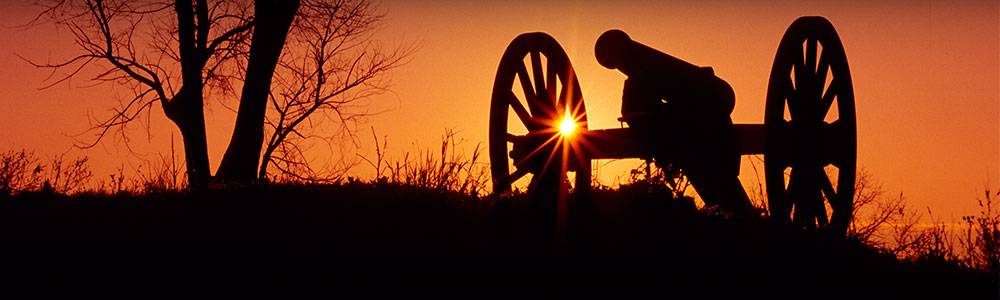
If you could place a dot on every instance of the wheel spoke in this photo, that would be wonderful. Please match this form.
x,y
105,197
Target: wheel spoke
x,y
567,97
537,150
521,112
820,212
801,88
807,198
811,56
799,69
518,174
827,187
550,78
805,73
815,197
536,63
834,144
798,62
822,70
795,196
522,74
792,96
564,101
536,105
827,100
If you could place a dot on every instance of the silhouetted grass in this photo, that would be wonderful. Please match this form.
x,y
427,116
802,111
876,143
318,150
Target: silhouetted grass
x,y
450,171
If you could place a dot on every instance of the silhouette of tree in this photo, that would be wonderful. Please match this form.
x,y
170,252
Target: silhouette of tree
x,y
332,65
273,19
874,209
176,53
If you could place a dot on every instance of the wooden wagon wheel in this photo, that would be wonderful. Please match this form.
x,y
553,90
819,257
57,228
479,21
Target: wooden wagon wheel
x,y
809,140
546,92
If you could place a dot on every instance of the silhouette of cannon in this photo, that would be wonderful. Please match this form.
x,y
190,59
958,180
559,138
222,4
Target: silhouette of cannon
x,y
805,139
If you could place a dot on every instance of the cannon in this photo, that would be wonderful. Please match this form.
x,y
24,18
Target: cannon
x,y
809,145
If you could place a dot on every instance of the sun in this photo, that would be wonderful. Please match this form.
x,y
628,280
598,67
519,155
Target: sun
x,y
567,126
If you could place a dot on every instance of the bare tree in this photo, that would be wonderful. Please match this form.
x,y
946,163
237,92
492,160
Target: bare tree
x,y
148,47
332,66
886,222
175,52
873,208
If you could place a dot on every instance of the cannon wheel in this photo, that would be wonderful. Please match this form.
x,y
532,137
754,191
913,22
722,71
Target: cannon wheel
x,y
546,93
811,141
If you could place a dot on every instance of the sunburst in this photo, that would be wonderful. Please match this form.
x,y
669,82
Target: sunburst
x,y
568,125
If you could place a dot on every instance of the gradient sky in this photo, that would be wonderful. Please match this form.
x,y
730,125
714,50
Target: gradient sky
x,y
925,78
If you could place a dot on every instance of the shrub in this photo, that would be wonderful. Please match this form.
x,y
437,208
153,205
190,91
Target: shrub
x,y
21,171
982,235
880,218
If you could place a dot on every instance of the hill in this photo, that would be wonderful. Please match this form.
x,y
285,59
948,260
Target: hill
x,y
388,231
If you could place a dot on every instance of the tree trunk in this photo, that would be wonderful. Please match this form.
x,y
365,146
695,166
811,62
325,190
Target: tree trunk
x,y
272,21
186,108
265,160
186,112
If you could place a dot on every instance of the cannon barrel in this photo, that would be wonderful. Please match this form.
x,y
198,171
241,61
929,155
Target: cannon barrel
x,y
616,50
677,78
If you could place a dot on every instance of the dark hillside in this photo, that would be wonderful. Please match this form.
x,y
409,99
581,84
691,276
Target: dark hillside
x,y
365,231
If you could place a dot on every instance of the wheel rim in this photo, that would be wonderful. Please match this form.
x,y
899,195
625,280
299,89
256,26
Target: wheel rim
x,y
536,81
809,139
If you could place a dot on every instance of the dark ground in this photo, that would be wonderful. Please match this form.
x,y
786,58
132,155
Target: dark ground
x,y
363,231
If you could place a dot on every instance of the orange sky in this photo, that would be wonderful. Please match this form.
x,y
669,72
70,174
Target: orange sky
x,y
925,78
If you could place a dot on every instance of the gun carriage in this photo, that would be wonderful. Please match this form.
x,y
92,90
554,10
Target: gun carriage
x,y
538,123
